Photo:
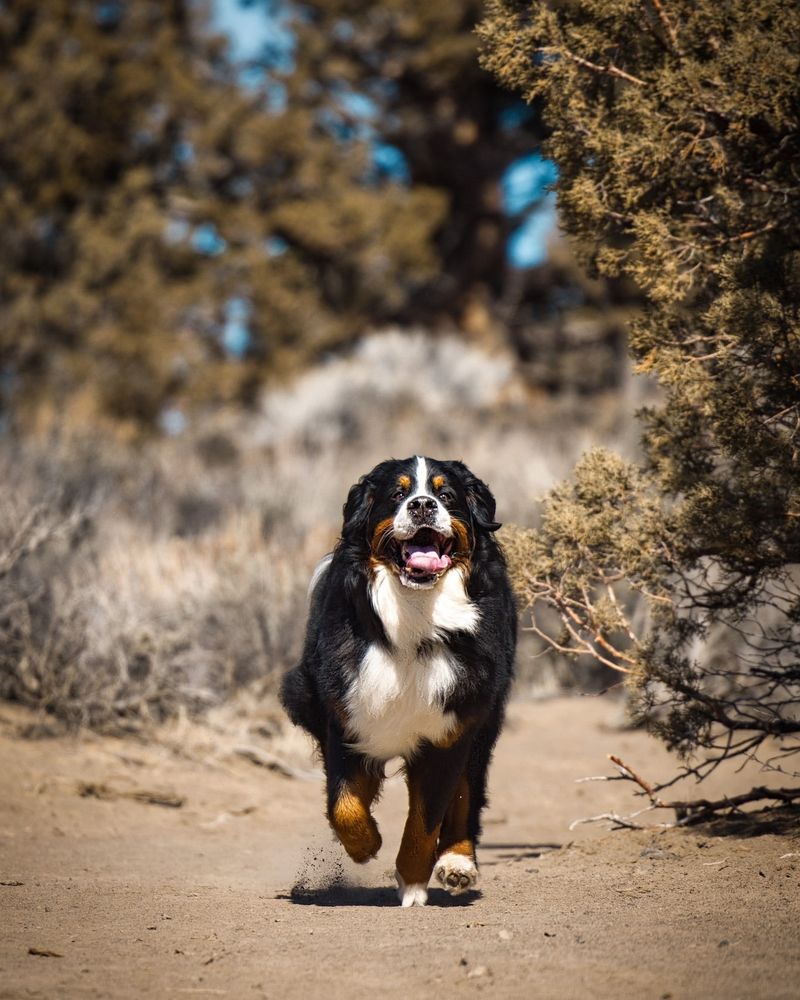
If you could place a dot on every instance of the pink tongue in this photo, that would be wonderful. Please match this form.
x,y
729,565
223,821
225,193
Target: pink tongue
x,y
426,560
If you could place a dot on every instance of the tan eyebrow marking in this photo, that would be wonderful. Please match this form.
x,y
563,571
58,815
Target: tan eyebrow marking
x,y
438,482
405,482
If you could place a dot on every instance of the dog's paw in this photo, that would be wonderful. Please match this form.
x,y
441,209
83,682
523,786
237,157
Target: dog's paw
x,y
362,845
413,894
355,828
456,873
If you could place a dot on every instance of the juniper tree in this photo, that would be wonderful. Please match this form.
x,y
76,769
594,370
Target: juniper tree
x,y
675,128
147,200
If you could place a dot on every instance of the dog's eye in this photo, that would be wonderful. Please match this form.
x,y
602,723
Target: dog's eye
x,y
446,496
399,495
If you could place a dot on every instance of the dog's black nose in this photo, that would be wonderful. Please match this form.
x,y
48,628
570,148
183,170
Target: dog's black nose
x,y
422,509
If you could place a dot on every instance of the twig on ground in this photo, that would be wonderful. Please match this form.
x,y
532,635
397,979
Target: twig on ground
x,y
263,758
98,790
620,822
687,811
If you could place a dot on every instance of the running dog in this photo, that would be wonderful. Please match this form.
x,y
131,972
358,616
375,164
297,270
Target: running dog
x,y
409,653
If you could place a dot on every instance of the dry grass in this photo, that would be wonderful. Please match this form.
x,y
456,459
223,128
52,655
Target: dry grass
x,y
136,584
113,617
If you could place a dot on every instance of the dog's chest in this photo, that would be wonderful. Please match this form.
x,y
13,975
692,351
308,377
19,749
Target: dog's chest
x,y
396,700
397,695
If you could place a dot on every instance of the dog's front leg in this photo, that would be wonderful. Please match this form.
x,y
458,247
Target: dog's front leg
x,y
432,775
353,782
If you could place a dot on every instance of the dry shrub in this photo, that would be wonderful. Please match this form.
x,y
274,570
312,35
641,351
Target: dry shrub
x,y
113,620
138,583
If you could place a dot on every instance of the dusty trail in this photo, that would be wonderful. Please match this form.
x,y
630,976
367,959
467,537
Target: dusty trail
x,y
138,899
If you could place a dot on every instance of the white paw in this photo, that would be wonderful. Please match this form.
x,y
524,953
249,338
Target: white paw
x,y
413,894
456,873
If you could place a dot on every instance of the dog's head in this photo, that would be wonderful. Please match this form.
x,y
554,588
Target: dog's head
x,y
418,517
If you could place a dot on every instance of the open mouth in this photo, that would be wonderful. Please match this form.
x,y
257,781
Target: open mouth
x,y
424,556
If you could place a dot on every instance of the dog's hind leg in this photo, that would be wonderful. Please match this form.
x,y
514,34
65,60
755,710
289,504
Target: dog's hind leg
x,y
353,783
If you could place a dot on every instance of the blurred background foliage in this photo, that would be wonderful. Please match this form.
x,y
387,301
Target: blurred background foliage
x,y
198,200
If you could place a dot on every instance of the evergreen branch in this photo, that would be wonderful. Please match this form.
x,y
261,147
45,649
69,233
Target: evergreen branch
x,y
610,69
669,28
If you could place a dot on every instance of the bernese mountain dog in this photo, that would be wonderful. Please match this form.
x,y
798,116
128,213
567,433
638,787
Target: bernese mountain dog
x,y
409,653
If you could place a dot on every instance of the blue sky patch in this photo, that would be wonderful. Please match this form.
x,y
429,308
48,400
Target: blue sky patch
x,y
526,181
236,334
206,240
527,245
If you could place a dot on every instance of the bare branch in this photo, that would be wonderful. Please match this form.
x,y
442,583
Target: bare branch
x,y
610,69
687,811
620,822
669,28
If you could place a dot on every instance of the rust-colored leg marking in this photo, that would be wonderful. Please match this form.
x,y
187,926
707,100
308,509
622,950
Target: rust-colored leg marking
x,y
351,819
433,777
418,847
454,838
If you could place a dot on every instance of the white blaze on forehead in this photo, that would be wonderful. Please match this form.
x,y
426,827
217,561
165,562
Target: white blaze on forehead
x,y
405,526
420,486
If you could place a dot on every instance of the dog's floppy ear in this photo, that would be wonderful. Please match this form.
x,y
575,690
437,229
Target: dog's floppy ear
x,y
356,508
480,501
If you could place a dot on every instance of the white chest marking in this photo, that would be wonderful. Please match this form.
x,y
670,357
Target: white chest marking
x,y
397,696
410,616
394,703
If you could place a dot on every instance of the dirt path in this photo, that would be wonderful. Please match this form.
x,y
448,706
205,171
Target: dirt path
x,y
145,900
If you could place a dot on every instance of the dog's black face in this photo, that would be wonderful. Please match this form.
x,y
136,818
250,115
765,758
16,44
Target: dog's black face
x,y
418,517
